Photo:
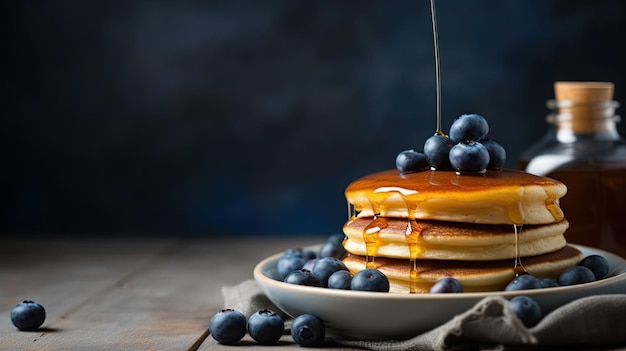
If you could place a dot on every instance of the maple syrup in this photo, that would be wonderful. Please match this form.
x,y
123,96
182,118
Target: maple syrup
x,y
412,234
584,151
518,267
370,237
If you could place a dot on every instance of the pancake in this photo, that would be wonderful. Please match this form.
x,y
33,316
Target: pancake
x,y
474,276
402,238
495,197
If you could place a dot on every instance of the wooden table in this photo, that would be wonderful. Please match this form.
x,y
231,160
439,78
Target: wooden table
x,y
128,294
125,294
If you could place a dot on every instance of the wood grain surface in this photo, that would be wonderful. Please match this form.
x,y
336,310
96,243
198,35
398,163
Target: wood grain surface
x,y
126,294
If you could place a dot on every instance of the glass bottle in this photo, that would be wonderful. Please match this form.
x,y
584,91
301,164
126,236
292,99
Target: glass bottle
x,y
584,150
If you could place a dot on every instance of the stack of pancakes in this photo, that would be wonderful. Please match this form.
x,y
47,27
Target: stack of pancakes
x,y
482,229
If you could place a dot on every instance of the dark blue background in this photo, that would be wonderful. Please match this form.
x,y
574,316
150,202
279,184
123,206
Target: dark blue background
x,y
250,117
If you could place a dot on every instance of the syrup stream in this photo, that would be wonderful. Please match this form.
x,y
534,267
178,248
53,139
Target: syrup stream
x,y
437,66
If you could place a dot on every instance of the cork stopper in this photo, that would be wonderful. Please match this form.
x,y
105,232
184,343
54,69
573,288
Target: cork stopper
x,y
584,92
584,107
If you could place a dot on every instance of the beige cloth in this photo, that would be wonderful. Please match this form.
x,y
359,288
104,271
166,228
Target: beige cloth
x,y
489,325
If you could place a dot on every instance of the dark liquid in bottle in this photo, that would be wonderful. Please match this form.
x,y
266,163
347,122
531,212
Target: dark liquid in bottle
x,y
595,204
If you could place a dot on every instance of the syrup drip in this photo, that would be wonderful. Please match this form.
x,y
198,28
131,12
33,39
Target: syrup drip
x,y
411,208
413,277
370,237
376,203
518,267
551,205
516,213
412,233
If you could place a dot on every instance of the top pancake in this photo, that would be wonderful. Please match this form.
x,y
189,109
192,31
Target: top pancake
x,y
496,197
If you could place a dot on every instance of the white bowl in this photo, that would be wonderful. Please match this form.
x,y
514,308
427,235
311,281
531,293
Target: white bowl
x,y
387,315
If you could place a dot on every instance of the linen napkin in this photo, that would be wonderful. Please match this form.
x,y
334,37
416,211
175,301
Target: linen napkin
x,y
489,325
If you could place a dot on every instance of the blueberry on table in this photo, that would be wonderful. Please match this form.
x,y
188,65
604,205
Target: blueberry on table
x,y
576,275
411,161
340,280
497,154
469,156
28,315
325,267
437,151
307,330
370,279
526,309
446,285
469,127
302,277
265,327
597,264
523,282
227,326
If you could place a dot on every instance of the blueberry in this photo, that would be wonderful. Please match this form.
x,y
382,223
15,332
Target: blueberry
x,y
469,156
265,327
370,279
446,285
548,283
302,277
437,151
497,154
309,254
597,264
340,280
411,161
300,252
289,262
469,127
576,275
332,248
526,309
294,251
309,264
227,326
326,266
523,282
28,315
307,330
